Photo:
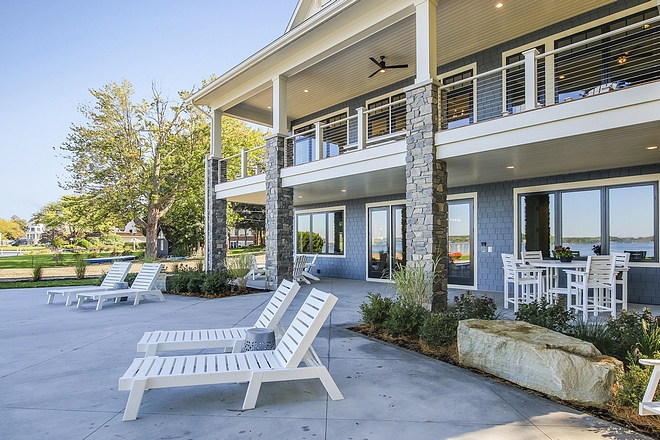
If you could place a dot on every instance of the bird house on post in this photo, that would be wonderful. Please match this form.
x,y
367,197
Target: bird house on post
x,y
162,250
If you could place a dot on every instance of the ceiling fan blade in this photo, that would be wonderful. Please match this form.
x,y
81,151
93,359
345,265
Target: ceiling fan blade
x,y
398,66
374,73
374,60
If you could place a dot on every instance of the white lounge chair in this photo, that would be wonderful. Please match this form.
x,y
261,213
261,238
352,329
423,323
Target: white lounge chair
x,y
299,264
153,342
647,407
307,272
254,367
255,269
116,274
141,287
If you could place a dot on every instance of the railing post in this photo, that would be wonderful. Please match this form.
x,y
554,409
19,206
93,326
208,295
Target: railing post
x,y
319,141
244,166
361,129
530,78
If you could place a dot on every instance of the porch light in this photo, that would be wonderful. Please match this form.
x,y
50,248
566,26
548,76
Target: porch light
x,y
270,107
499,5
510,167
646,26
562,76
623,58
300,197
306,91
652,147
343,190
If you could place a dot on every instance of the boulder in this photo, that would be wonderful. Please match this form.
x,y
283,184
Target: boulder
x,y
540,359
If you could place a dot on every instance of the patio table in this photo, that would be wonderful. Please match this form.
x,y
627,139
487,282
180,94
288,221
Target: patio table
x,y
552,268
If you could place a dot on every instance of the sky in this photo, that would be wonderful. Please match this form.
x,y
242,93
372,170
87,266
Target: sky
x,y
53,52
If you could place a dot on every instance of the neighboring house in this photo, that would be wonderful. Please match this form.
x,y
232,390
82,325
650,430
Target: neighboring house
x,y
34,232
131,234
522,126
239,238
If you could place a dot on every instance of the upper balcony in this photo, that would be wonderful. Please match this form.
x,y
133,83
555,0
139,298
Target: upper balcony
x,y
589,95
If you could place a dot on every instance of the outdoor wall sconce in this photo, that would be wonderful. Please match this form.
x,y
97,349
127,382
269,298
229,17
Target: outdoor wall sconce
x,y
483,246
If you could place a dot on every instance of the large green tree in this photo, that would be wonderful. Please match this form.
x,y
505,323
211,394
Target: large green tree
x,y
11,229
134,160
75,215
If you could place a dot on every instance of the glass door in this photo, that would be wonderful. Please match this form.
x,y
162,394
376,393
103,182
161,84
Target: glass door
x,y
386,240
461,242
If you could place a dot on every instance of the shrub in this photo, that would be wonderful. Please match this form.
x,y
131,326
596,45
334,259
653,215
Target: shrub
x,y
404,319
138,254
95,241
112,239
81,242
58,242
469,307
237,269
552,316
93,254
626,330
376,310
414,285
130,277
80,266
37,272
597,332
303,242
214,282
58,258
195,282
631,383
180,281
439,329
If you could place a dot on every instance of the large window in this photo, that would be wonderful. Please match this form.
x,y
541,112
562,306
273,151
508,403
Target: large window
x,y
320,232
605,219
388,119
457,101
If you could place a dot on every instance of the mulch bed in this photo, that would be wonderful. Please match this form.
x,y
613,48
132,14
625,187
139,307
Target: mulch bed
x,y
248,291
623,416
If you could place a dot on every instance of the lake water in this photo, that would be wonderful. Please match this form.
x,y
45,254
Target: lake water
x,y
616,246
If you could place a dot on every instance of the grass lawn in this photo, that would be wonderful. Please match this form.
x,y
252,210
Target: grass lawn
x,y
46,260
247,250
52,283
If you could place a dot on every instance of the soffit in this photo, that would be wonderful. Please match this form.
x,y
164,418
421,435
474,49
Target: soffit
x,y
464,27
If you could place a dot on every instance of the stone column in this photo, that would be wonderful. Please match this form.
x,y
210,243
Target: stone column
x,y
426,189
279,215
215,228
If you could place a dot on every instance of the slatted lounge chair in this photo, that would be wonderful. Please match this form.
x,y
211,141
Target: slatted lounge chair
x,y
299,263
254,367
141,287
231,338
647,407
116,274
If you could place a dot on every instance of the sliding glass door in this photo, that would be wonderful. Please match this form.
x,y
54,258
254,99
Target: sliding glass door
x,y
461,242
386,240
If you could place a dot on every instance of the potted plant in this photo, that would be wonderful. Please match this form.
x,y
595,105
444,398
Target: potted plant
x,y
565,254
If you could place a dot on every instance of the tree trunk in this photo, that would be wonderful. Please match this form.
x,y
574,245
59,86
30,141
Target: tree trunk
x,y
151,232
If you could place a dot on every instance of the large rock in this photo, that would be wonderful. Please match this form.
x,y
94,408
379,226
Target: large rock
x,y
539,359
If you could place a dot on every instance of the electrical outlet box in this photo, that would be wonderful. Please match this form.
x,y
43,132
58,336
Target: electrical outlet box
x,y
490,249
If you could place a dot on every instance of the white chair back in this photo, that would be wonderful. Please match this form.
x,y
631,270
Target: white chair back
x,y
509,267
116,274
146,278
528,256
298,267
600,270
621,260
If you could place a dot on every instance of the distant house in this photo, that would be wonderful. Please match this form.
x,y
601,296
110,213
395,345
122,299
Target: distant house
x,y
239,238
131,233
34,232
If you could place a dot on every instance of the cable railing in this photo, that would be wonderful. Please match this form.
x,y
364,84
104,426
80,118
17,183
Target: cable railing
x,y
246,163
610,61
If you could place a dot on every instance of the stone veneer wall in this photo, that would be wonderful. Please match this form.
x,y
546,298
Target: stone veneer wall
x,y
216,219
279,215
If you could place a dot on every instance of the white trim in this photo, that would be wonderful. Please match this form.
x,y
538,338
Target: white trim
x,y
475,217
389,204
312,211
320,118
613,181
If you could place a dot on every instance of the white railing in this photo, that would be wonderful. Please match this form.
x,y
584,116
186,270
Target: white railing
x,y
246,163
610,61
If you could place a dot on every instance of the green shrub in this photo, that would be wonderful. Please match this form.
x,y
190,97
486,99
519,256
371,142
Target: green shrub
x,y
37,272
237,269
414,284
180,281
58,242
130,277
95,241
631,383
552,316
214,282
93,254
626,330
58,258
80,265
469,307
112,239
81,242
195,282
376,310
138,254
597,332
404,319
439,329
303,242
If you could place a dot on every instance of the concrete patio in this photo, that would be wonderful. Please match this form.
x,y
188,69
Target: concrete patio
x,y
60,367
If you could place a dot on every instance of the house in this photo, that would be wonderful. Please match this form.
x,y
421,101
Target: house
x,y
447,131
34,232
239,238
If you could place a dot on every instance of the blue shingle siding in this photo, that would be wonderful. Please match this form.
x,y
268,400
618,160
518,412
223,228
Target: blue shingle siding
x,y
354,265
495,226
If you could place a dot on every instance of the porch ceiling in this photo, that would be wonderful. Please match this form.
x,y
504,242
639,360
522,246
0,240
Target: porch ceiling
x,y
463,27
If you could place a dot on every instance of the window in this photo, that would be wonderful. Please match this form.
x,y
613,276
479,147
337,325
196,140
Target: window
x,y
613,218
388,119
457,101
335,138
320,232
619,61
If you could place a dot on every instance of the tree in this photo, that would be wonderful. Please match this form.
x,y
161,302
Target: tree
x,y
10,229
74,216
251,217
134,160
20,222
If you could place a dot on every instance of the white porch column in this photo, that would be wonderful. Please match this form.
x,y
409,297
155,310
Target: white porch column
x,y
280,123
361,129
425,34
216,134
530,78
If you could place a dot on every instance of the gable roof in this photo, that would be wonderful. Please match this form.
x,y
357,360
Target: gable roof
x,y
304,10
